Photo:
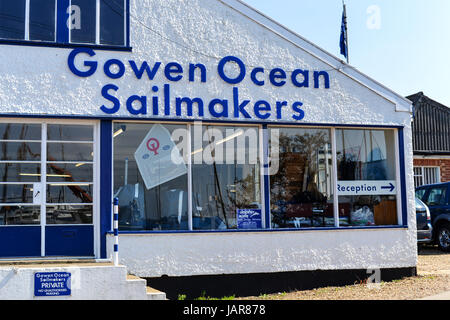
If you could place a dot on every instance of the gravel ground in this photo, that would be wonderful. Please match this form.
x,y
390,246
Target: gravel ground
x,y
433,277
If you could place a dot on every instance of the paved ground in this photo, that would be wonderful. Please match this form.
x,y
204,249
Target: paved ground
x,y
432,281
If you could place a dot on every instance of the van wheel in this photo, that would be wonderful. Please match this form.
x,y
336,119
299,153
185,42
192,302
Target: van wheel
x,y
443,237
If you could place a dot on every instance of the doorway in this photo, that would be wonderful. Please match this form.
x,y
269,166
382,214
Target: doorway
x,y
47,188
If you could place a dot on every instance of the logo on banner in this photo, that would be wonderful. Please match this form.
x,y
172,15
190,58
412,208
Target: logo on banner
x,y
153,145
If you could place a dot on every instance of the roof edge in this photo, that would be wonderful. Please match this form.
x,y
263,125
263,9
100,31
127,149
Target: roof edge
x,y
402,104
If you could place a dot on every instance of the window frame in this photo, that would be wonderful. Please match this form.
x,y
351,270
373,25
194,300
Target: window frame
x,y
422,175
401,199
63,34
188,126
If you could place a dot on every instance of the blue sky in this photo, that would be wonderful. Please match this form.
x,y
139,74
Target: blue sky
x,y
404,44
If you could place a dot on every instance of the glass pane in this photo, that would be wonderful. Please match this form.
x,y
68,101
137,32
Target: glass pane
x,y
69,214
20,151
367,177
69,193
436,197
20,131
16,193
20,215
368,210
301,189
83,30
365,155
69,151
226,178
20,172
112,22
42,20
12,19
69,172
58,132
420,193
151,187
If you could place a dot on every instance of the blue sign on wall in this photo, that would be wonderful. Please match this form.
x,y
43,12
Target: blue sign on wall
x,y
52,284
249,219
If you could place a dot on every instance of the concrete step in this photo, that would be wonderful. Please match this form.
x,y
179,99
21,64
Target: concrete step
x,y
88,281
40,261
152,294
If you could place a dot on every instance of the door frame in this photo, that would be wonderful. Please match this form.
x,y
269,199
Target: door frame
x,y
96,176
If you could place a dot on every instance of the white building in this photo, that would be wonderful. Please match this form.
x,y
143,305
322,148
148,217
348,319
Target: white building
x,y
94,109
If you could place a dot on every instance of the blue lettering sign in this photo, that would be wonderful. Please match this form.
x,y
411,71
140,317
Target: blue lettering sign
x,y
249,219
161,101
52,284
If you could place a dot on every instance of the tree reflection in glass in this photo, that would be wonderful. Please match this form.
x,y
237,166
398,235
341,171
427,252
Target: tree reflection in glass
x,y
301,190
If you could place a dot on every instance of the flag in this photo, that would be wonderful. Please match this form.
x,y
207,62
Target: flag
x,y
344,36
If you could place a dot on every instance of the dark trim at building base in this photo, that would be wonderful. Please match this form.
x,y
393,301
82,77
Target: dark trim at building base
x,y
256,284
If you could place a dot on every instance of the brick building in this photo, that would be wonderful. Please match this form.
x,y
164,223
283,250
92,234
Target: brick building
x,y
431,140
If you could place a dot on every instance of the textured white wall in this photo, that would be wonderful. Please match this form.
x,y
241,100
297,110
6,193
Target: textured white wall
x,y
38,81
227,253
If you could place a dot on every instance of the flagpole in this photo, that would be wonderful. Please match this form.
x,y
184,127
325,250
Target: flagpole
x,y
346,30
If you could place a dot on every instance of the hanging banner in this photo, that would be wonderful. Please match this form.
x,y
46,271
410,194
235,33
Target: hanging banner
x,y
158,158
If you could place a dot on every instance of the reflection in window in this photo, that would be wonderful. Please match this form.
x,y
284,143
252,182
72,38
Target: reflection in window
x,y
12,19
69,214
20,151
20,215
112,22
437,197
69,193
65,132
70,172
366,156
70,151
83,30
151,187
20,131
42,20
16,193
227,178
301,189
20,172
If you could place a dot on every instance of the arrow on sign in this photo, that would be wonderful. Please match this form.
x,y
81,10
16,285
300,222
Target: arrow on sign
x,y
391,187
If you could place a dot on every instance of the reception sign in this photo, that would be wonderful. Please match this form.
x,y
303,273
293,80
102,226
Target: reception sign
x,y
366,188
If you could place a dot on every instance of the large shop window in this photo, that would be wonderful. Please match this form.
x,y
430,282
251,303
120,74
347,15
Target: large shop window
x,y
367,186
184,177
94,22
301,189
151,177
226,184
152,188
